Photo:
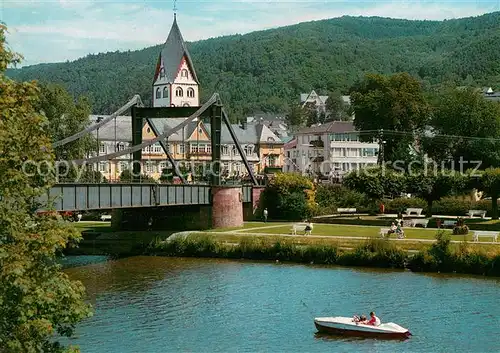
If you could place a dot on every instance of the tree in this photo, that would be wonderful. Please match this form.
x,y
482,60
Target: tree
x,y
295,117
311,114
289,196
376,182
37,300
489,183
66,117
395,104
336,108
433,187
127,177
474,126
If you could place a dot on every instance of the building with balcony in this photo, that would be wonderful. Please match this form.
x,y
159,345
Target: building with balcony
x,y
331,149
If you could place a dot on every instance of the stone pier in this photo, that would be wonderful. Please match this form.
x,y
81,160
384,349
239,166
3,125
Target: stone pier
x,y
227,206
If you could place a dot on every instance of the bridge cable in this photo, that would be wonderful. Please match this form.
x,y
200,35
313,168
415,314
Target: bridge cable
x,y
136,100
213,100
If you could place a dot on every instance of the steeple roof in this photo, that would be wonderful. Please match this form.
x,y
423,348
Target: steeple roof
x,y
172,53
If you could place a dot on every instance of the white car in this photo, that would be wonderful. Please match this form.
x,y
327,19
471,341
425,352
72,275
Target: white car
x,y
106,217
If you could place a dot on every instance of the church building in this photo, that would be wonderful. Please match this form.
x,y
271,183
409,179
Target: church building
x,y
175,82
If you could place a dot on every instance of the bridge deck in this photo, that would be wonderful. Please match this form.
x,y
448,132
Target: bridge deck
x,y
81,197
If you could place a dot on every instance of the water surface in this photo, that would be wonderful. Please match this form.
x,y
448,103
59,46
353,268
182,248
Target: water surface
x,y
155,304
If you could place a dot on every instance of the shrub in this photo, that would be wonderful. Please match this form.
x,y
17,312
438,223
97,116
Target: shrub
x,y
289,196
402,203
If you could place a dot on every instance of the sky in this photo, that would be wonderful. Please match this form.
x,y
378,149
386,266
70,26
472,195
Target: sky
x,y
59,30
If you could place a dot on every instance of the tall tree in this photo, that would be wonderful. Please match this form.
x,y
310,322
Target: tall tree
x,y
432,186
474,125
395,104
66,117
38,302
295,117
489,183
336,108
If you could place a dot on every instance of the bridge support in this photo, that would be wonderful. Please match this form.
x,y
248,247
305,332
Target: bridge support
x,y
227,207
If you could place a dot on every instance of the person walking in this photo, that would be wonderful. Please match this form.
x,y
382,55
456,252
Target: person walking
x,y
265,215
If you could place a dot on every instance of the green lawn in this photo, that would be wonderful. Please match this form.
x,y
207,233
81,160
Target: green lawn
x,y
360,231
248,225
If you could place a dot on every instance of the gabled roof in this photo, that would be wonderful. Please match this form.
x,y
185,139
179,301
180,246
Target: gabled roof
x,y
171,55
121,131
331,127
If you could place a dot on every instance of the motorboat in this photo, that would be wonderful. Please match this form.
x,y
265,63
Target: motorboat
x,y
349,326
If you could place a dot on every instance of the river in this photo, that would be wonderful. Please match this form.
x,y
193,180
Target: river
x,y
156,304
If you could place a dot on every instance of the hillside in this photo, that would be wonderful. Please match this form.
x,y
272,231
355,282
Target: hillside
x,y
267,70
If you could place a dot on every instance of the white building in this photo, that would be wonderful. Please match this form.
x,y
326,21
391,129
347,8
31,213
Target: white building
x,y
331,149
319,101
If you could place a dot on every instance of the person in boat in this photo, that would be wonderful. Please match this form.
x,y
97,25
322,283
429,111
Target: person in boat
x,y
374,320
360,319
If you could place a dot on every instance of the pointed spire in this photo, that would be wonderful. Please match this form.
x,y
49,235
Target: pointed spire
x,y
172,53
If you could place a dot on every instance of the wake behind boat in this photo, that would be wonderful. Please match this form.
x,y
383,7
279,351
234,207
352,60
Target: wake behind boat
x,y
349,327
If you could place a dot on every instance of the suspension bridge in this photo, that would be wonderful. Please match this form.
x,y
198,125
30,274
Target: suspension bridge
x,y
226,201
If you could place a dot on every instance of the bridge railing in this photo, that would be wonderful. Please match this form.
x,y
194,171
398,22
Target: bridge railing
x,y
73,197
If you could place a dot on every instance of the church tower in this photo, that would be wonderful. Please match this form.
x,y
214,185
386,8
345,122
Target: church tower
x,y
175,81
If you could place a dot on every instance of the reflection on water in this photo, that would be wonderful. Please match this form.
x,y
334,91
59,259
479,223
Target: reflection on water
x,y
155,304
75,261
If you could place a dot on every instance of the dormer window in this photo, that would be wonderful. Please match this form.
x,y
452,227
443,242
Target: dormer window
x,y
162,72
190,92
158,93
179,92
165,92
184,73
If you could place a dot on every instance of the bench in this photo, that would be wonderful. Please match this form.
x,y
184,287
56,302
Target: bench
x,y
301,227
346,210
481,213
417,211
449,224
106,217
422,222
484,233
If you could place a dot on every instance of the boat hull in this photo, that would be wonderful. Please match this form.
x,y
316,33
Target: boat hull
x,y
358,333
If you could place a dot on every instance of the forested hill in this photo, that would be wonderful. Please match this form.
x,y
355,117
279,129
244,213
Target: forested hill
x,y
266,70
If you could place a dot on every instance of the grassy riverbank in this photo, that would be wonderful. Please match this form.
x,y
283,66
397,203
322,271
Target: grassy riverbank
x,y
442,256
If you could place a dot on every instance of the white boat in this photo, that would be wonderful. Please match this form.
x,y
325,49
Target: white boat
x,y
348,326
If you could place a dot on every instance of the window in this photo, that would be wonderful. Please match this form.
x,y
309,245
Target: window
x,y
185,105
209,148
122,166
182,148
163,165
184,73
194,148
190,92
165,92
201,148
162,72
150,167
120,146
148,130
103,167
102,148
172,104
158,93
248,150
270,139
157,148
225,150
179,92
